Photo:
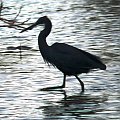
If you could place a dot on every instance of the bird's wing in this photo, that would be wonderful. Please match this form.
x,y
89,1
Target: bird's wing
x,y
72,57
73,51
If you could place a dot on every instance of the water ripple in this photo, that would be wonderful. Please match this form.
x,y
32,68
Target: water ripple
x,y
89,25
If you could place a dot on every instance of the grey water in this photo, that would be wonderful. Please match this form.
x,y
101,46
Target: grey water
x,y
91,25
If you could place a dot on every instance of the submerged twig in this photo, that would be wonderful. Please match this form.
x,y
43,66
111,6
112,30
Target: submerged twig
x,y
20,52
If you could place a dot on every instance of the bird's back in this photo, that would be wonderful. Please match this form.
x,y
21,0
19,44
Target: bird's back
x,y
71,60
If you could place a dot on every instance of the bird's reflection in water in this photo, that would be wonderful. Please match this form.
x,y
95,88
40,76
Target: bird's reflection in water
x,y
74,106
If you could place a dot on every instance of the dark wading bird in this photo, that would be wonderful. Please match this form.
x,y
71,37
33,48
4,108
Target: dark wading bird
x,y
68,59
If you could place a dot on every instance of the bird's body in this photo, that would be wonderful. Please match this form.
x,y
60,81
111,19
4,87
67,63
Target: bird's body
x,y
68,59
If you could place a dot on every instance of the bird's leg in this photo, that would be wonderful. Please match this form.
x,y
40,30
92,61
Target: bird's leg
x,y
82,84
56,87
63,85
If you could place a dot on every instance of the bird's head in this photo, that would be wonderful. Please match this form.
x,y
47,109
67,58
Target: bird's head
x,y
41,20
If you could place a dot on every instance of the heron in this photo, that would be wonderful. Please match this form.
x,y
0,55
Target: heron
x,y
70,60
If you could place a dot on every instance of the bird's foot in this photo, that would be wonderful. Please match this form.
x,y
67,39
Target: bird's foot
x,y
51,88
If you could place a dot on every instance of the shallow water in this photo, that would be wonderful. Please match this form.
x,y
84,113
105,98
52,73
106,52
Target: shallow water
x,y
93,26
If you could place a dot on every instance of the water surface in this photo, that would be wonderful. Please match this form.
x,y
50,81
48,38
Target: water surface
x,y
93,26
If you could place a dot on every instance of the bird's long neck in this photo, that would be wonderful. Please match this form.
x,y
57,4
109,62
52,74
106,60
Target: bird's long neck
x,y
43,46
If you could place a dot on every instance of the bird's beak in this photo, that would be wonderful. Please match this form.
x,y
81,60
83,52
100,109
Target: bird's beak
x,y
29,28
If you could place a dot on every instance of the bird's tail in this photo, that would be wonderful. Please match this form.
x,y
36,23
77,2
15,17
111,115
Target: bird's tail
x,y
102,66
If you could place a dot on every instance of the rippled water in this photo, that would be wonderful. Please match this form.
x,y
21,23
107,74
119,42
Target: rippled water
x,y
91,25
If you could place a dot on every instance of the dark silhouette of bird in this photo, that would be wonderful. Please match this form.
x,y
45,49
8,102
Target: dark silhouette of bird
x,y
68,59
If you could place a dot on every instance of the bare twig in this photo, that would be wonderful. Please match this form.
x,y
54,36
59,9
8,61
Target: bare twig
x,y
13,23
1,6
18,13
